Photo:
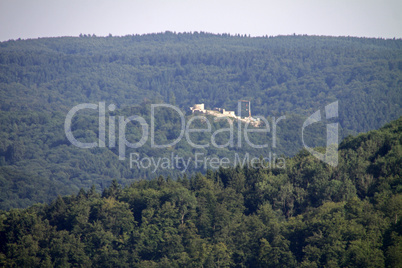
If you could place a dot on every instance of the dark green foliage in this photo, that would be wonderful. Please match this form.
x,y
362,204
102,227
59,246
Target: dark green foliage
x,y
284,74
307,215
42,79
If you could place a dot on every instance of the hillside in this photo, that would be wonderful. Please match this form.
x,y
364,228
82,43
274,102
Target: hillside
x,y
307,215
284,74
291,76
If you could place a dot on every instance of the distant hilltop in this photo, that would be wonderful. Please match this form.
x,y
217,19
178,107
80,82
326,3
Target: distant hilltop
x,y
221,112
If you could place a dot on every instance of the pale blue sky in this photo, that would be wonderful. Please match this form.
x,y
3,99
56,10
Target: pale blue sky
x,y
46,18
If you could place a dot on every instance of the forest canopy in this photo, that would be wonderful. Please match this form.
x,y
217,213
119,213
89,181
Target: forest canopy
x,y
291,76
307,215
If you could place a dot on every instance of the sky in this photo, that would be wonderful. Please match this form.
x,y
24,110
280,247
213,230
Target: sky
x,y
51,18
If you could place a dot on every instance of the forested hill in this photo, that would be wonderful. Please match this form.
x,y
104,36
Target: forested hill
x,y
307,215
292,76
283,74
